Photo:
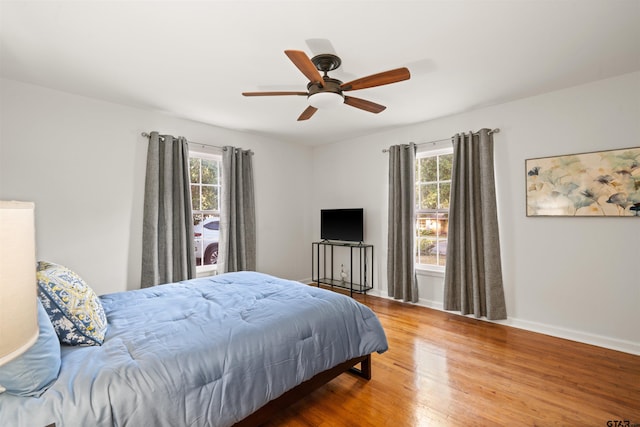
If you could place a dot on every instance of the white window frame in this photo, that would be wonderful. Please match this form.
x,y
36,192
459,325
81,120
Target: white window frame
x,y
217,156
429,269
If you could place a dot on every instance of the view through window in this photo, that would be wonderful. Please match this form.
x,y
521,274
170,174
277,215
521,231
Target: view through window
x,y
205,170
432,191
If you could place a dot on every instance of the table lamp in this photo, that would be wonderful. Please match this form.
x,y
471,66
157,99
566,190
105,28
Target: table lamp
x,y
18,309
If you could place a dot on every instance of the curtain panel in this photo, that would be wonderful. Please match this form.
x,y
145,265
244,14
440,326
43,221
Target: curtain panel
x,y
473,272
237,247
401,275
167,230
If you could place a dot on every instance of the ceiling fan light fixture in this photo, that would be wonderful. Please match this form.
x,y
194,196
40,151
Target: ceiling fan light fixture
x,y
325,99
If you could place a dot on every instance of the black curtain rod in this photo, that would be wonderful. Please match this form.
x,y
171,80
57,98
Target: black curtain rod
x,y
146,135
496,130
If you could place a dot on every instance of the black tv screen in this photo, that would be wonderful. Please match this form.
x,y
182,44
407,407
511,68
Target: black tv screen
x,y
345,225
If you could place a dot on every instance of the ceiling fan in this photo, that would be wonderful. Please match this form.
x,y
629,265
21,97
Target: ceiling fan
x,y
324,91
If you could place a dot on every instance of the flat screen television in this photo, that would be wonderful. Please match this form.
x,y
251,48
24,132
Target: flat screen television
x,y
345,225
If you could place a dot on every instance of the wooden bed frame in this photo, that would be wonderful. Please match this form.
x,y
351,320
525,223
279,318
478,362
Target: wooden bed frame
x,y
263,414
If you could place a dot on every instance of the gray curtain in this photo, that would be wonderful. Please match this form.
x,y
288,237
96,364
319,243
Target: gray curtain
x,y
237,212
167,233
401,277
473,273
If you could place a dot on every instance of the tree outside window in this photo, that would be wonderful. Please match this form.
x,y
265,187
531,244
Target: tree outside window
x,y
433,189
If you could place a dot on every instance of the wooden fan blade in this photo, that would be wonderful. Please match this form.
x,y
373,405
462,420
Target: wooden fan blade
x,y
384,78
363,104
304,64
273,93
306,114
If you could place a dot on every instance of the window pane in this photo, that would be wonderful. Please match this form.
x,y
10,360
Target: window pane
x,y
197,237
428,169
421,256
427,225
421,225
209,171
422,240
445,194
440,252
426,238
442,224
446,161
428,196
216,198
206,235
442,229
194,170
195,197
208,198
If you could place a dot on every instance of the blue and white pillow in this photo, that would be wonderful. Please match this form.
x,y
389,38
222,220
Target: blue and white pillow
x,y
31,373
73,307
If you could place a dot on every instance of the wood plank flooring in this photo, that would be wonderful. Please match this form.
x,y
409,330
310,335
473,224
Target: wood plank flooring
x,y
443,369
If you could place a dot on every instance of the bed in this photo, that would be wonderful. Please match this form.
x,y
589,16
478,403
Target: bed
x,y
218,351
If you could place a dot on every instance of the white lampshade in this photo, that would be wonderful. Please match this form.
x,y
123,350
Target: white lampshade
x,y
325,99
18,309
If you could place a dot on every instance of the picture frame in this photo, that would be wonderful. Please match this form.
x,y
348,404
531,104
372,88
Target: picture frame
x,y
593,184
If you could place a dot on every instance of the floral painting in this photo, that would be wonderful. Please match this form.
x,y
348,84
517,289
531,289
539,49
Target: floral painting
x,y
604,183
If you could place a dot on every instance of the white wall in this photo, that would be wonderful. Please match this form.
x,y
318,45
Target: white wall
x,y
82,161
573,277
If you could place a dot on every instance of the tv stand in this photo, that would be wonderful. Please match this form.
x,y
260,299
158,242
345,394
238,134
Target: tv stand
x,y
320,274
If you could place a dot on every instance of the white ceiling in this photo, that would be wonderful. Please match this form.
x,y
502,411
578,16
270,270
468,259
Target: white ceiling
x,y
193,59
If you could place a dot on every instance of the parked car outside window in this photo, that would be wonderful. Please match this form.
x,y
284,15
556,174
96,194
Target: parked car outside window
x,y
206,235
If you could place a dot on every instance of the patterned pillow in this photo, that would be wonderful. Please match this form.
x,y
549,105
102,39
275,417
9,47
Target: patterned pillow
x,y
74,309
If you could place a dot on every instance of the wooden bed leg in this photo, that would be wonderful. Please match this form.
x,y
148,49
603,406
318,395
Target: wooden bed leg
x,y
365,368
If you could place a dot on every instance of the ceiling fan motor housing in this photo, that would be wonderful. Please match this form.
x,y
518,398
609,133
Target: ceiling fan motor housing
x,y
326,62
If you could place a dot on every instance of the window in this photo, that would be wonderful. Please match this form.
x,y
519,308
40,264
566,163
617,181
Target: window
x,y
205,170
433,188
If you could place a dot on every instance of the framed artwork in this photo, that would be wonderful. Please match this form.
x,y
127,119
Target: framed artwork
x,y
603,183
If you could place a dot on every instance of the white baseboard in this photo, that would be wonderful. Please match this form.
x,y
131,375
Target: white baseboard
x,y
541,328
421,301
573,335
554,331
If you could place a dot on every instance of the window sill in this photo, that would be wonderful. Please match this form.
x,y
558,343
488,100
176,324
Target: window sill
x,y
434,271
206,270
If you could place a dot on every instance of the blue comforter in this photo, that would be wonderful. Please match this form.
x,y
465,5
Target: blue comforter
x,y
205,352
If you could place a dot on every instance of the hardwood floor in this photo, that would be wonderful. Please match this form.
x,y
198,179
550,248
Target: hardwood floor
x,y
443,369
